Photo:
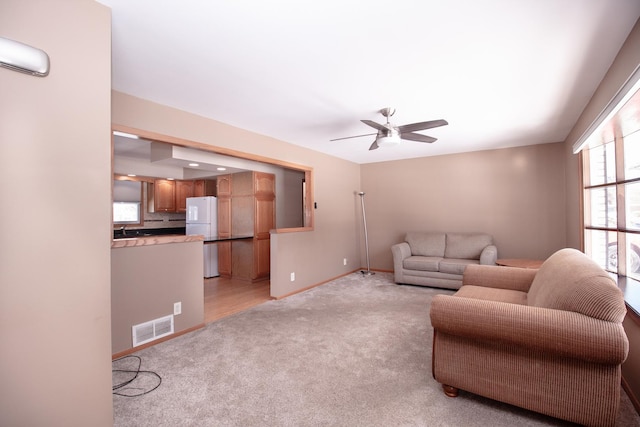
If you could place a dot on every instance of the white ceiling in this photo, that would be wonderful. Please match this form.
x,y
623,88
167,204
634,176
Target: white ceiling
x,y
503,73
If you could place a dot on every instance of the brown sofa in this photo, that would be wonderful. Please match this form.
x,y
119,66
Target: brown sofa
x,y
550,340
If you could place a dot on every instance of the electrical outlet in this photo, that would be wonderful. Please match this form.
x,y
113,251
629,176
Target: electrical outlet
x,y
344,261
177,308
293,277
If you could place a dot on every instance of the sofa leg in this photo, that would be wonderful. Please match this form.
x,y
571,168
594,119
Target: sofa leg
x,y
450,391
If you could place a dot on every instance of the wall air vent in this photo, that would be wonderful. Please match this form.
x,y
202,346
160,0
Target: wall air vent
x,y
152,330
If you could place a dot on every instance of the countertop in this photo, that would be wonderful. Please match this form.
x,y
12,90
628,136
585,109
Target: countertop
x,y
154,240
170,238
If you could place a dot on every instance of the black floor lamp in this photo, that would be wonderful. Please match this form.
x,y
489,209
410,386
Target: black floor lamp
x,y
368,272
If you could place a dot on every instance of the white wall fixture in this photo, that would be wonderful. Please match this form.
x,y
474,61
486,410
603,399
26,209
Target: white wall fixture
x,y
23,58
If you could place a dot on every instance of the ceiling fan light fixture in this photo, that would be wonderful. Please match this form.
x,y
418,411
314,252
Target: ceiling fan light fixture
x,y
388,140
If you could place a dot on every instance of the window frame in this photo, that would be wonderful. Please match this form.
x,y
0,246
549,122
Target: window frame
x,y
612,130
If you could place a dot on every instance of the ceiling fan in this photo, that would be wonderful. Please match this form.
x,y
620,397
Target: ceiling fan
x,y
389,134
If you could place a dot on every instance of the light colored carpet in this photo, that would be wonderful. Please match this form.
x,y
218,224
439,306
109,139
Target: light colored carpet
x,y
352,352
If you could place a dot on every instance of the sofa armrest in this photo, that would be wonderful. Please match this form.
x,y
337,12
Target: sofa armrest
x,y
400,251
563,333
491,276
489,255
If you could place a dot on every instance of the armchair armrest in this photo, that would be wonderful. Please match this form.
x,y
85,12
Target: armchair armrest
x,y
489,255
563,333
517,279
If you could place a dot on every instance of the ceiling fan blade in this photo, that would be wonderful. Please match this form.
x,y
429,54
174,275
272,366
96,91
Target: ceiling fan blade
x,y
422,125
417,137
375,125
356,136
374,146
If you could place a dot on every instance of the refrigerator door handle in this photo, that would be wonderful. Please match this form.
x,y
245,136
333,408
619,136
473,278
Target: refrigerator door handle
x,y
192,213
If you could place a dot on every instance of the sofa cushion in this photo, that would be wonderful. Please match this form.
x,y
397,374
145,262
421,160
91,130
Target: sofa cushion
x,y
466,245
569,280
455,266
421,263
426,243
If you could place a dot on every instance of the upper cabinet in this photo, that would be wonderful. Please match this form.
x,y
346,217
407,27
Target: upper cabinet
x,y
184,189
171,195
164,195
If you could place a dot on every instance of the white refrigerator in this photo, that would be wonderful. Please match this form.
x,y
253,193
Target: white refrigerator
x,y
202,218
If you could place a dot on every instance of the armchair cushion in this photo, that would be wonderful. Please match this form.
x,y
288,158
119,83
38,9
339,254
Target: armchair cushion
x,y
518,279
493,294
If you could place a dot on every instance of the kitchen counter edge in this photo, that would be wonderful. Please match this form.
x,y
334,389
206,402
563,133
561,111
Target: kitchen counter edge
x,y
155,240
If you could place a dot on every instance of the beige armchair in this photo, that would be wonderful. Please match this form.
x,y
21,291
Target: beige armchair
x,y
549,340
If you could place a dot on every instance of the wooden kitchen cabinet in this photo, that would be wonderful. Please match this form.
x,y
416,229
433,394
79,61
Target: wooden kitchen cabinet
x,y
184,189
223,185
246,206
252,212
164,199
171,195
223,191
204,187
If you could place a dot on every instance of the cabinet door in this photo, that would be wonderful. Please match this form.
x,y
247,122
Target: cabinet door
x,y
264,216
223,183
264,183
198,188
184,189
224,259
224,216
164,195
261,258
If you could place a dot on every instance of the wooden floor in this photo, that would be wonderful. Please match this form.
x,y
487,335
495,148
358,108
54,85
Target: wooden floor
x,y
223,296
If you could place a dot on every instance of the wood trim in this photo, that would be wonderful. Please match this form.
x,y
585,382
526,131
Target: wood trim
x,y
290,230
313,286
632,314
581,183
632,397
207,147
158,341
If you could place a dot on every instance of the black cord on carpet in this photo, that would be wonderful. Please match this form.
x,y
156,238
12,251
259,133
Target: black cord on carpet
x,y
121,389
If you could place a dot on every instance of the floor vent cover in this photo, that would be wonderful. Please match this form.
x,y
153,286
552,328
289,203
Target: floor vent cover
x,y
152,330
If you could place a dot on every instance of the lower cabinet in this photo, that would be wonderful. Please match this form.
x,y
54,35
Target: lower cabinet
x,y
224,259
250,259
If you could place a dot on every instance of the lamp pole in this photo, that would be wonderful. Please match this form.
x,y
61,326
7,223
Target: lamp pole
x,y
366,237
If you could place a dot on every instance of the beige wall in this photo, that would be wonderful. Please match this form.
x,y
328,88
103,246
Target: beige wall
x,y
515,194
55,340
627,60
314,256
145,283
